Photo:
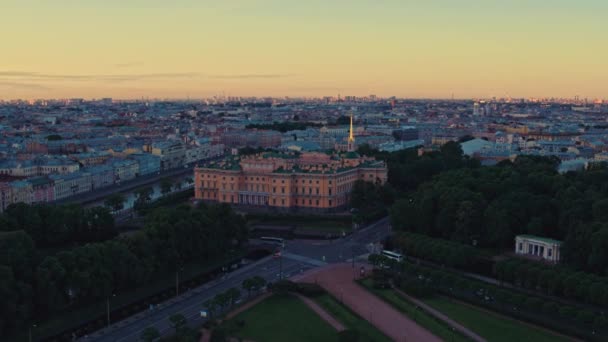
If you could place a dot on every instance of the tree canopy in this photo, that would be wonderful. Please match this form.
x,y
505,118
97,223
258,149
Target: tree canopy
x,y
34,283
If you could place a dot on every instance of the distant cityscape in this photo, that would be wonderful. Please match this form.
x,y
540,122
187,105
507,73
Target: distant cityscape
x,y
52,150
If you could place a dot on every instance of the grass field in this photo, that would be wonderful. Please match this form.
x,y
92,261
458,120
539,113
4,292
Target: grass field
x,y
423,319
325,227
350,320
491,326
279,319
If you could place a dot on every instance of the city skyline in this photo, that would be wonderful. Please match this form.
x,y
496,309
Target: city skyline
x,y
153,49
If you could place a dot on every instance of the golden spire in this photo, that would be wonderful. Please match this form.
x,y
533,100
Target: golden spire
x,y
351,135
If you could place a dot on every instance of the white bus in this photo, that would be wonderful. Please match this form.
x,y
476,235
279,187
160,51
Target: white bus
x,y
392,255
273,240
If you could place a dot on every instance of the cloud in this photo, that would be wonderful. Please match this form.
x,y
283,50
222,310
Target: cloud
x,y
250,76
36,76
28,76
20,85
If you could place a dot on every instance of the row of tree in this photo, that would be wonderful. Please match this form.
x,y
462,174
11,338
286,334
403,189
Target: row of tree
x,y
554,280
407,169
424,281
34,286
488,206
444,252
285,126
59,226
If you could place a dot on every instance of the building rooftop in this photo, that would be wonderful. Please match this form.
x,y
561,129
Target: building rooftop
x,y
539,238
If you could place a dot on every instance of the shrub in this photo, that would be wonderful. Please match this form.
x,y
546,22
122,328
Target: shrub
x,y
600,322
284,286
349,335
218,335
417,288
310,289
381,279
584,316
533,303
567,311
550,308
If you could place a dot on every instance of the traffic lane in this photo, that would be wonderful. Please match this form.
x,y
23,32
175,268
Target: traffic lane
x,y
216,285
341,249
190,307
192,310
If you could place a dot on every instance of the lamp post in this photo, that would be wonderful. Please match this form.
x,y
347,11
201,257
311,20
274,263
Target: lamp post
x,y
177,280
108,308
30,331
280,263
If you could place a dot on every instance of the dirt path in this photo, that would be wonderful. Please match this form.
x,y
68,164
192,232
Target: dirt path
x,y
338,279
470,334
322,313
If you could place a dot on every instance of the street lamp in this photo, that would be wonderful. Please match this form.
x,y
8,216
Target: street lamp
x,y
108,308
30,330
280,263
177,280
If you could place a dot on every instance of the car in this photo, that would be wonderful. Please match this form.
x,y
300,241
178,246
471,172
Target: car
x,y
277,253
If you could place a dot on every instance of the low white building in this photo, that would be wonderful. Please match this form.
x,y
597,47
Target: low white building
x,y
71,184
538,247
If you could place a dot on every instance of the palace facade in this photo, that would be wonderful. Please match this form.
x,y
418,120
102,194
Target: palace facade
x,y
287,181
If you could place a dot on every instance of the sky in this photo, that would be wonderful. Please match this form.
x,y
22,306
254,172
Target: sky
x,y
201,48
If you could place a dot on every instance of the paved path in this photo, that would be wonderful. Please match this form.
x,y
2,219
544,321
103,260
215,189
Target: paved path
x,y
438,314
338,280
322,313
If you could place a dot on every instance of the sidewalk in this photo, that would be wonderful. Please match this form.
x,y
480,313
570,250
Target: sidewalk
x,y
338,279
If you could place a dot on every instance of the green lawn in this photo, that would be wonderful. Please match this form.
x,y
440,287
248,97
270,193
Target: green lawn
x,y
279,319
491,326
325,227
320,226
438,328
349,319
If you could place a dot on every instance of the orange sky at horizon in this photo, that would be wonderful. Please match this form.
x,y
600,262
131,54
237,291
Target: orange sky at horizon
x,y
198,49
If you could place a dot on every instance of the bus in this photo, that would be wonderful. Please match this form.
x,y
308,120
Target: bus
x,y
392,255
273,240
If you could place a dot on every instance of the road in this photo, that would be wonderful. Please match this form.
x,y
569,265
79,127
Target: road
x,y
298,257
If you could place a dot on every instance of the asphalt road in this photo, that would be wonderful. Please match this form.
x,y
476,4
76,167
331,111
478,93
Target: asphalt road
x,y
298,256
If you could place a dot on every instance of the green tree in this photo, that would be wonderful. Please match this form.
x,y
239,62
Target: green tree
x,y
144,196
248,284
165,185
115,201
149,334
178,321
234,294
54,137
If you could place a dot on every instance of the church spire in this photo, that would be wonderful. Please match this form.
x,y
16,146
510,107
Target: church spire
x,y
351,136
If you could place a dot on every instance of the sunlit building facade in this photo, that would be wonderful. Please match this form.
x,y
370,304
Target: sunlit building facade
x,y
287,181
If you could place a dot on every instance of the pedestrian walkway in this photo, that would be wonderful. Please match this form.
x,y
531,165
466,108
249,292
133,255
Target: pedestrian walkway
x,y
438,314
301,258
338,279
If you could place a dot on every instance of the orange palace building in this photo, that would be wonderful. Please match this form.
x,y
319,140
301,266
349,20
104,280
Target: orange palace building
x,y
287,181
